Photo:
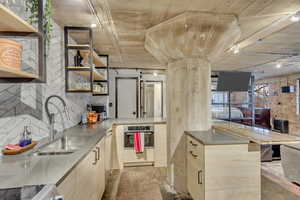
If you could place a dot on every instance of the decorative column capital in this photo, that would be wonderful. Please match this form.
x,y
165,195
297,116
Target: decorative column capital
x,y
191,34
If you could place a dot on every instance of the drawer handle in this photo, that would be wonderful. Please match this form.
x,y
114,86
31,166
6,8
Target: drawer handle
x,y
194,155
200,181
96,156
193,144
98,149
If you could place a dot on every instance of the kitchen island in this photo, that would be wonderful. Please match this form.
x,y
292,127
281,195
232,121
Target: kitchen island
x,y
221,166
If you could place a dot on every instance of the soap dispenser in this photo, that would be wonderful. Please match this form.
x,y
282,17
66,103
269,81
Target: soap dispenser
x,y
25,137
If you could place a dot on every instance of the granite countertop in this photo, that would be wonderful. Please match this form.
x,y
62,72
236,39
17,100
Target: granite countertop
x,y
28,169
213,137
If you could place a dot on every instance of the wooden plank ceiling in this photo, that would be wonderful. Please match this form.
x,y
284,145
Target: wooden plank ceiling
x,y
125,22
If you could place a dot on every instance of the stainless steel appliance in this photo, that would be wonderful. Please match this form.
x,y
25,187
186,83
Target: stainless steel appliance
x,y
148,131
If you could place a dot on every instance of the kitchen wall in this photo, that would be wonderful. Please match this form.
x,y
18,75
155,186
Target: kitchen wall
x,y
23,104
282,105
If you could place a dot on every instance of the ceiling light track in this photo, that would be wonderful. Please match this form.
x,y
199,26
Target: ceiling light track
x,y
274,53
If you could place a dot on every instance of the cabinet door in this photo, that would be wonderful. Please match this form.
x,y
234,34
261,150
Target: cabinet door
x,y
108,152
160,150
195,169
100,174
86,179
68,186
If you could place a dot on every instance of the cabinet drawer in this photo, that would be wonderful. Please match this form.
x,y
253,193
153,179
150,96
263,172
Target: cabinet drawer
x,y
194,147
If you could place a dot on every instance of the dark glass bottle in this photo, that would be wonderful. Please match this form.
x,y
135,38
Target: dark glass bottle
x,y
78,59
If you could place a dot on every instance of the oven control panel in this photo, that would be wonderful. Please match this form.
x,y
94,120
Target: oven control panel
x,y
144,128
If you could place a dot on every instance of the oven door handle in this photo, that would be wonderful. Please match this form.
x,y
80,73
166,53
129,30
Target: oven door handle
x,y
145,133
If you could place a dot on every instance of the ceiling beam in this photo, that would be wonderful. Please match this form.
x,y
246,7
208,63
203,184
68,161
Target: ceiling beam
x,y
269,30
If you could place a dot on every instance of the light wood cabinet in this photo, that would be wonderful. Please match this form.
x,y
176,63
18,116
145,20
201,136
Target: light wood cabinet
x,y
108,151
160,145
223,172
100,168
87,179
195,172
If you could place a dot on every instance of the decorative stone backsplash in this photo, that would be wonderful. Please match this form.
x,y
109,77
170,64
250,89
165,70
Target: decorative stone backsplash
x,y
282,105
21,103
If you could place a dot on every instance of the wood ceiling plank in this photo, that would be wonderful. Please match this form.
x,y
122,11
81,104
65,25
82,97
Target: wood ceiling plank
x,y
132,18
233,6
210,6
159,10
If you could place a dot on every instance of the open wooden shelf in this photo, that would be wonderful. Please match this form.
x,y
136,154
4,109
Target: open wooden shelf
x,y
96,59
79,90
78,68
84,71
10,22
6,72
78,46
99,94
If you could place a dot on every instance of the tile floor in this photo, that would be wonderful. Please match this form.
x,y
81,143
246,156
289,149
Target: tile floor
x,y
140,183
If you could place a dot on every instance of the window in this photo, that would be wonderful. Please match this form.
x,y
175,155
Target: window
x,y
219,97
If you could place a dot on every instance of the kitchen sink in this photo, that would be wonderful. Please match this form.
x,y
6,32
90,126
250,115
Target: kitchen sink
x,y
63,146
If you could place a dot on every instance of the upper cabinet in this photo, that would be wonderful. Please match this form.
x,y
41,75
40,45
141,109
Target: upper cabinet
x,y
13,27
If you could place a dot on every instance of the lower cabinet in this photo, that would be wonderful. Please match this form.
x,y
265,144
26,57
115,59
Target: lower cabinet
x,y
223,172
195,169
87,179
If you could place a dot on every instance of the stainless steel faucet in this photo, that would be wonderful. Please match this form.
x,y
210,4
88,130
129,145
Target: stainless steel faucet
x,y
51,115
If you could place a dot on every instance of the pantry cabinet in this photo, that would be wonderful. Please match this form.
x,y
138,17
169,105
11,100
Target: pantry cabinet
x,y
87,179
222,172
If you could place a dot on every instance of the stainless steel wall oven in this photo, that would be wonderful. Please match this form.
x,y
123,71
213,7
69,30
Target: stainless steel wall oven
x,y
148,132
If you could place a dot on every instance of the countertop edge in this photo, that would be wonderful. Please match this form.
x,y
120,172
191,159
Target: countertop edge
x,y
241,141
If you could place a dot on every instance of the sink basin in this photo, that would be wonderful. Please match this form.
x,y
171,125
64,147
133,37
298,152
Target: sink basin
x,y
64,146
53,153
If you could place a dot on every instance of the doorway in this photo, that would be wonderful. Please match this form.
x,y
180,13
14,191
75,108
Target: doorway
x,y
151,99
127,97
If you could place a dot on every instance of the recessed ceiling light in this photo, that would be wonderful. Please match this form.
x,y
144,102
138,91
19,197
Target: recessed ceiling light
x,y
295,18
278,65
93,25
235,49
155,74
